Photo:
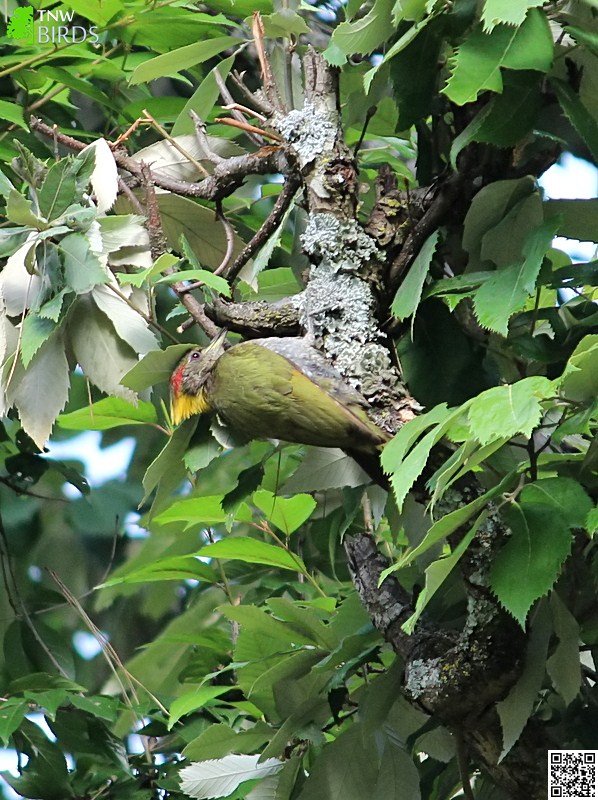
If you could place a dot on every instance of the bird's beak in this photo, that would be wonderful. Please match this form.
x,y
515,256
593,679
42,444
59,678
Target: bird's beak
x,y
217,343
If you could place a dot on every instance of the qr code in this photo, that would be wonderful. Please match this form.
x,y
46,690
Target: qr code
x,y
572,774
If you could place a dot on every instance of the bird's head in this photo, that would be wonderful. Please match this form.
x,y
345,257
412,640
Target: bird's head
x,y
188,382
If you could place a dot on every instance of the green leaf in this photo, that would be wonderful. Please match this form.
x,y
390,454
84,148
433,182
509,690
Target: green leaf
x,y
507,290
19,210
215,282
287,513
507,118
104,707
206,235
193,701
82,267
35,331
365,34
58,189
414,71
173,568
12,112
409,294
505,411
508,12
437,572
203,99
252,551
168,467
476,66
347,764
102,354
579,381
528,565
517,707
404,459
203,511
489,206
448,524
12,712
284,23
128,323
155,367
219,740
40,393
109,413
577,219
181,59
564,666
564,494
578,115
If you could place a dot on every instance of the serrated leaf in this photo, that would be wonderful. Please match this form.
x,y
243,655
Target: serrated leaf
x,y
365,34
82,267
193,701
220,777
404,457
108,413
287,513
507,290
505,411
579,381
35,331
252,551
578,115
507,118
12,712
41,392
528,565
181,59
476,65
508,12
20,211
13,112
409,294
216,282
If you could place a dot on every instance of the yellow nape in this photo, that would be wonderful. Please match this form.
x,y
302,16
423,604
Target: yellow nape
x,y
186,405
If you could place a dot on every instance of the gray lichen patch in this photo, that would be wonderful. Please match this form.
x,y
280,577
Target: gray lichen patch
x,y
340,244
422,676
308,130
337,307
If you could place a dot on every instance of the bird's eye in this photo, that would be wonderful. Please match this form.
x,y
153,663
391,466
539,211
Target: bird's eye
x,y
195,354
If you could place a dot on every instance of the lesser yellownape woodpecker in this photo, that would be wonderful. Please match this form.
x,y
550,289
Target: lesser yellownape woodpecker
x,y
277,389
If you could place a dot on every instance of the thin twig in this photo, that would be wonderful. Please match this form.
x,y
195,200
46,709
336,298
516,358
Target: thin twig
x,y
268,82
17,604
230,239
258,100
245,126
200,167
284,200
235,109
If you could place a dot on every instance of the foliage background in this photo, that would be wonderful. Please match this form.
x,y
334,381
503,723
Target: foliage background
x,y
266,649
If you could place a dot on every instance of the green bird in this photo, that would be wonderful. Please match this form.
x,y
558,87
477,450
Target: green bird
x,y
277,389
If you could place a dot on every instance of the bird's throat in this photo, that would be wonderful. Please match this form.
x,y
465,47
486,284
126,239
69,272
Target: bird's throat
x,y
186,405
